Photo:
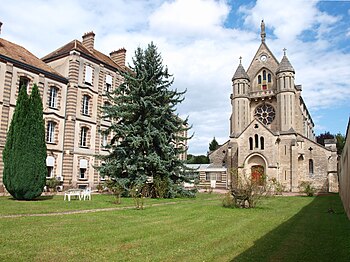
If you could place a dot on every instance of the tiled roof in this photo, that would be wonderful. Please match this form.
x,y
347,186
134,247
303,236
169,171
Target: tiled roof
x,y
285,66
240,73
78,46
23,56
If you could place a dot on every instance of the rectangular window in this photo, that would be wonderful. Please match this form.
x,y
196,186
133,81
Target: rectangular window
x,y
23,82
207,176
49,172
50,131
108,87
104,140
88,75
53,97
82,173
218,177
85,108
83,137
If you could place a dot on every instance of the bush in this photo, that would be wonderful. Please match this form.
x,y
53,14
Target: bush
x,y
228,201
307,188
52,183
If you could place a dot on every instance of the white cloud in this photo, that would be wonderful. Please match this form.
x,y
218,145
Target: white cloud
x,y
195,44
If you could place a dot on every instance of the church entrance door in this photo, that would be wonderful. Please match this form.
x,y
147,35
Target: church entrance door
x,y
257,174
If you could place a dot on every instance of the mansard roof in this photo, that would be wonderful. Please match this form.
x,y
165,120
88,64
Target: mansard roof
x,y
240,73
21,57
285,65
78,46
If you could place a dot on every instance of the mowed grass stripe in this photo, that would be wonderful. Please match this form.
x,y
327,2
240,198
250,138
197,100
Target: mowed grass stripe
x,y
196,230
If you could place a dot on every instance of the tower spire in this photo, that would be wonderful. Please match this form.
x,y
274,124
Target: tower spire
x,y
262,34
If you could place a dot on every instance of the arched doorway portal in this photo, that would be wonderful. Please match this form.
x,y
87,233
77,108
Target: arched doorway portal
x,y
256,167
257,174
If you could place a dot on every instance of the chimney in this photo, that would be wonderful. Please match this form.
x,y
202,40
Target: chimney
x,y
89,40
118,56
0,26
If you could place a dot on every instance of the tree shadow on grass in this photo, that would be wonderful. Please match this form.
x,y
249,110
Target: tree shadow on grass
x,y
40,198
318,232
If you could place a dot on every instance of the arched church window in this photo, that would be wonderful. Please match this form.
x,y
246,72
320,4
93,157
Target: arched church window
x,y
269,78
264,74
250,143
311,167
265,113
256,141
262,143
259,79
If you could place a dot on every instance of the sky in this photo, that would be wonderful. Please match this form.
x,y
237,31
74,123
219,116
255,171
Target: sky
x,y
201,42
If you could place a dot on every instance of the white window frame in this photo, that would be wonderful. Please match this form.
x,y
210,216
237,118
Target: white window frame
x,y
53,97
50,132
109,81
83,136
104,140
85,108
88,74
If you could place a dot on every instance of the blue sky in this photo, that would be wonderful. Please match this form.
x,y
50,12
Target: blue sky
x,y
201,41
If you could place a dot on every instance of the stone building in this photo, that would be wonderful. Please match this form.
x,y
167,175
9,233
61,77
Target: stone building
x,y
91,74
19,67
271,130
73,82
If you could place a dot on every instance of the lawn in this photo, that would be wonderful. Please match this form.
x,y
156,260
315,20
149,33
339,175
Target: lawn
x,y
280,229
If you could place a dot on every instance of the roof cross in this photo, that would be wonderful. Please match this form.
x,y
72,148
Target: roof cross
x,y
240,59
284,51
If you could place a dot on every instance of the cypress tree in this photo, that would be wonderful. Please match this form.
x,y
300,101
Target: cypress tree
x,y
24,154
145,127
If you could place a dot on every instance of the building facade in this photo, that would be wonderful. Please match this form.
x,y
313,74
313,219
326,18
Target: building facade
x,y
271,130
18,68
74,81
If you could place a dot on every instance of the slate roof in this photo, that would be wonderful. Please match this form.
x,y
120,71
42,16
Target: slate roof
x,y
240,73
78,46
21,57
285,66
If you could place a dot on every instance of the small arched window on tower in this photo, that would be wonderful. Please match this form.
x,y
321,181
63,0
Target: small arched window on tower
x,y
256,141
311,167
250,143
262,145
264,80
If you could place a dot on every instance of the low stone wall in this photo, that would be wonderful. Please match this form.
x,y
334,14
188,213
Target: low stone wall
x,y
344,173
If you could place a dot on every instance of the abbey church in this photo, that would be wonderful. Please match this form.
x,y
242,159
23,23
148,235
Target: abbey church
x,y
271,130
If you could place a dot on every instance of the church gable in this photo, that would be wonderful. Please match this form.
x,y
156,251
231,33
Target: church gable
x,y
263,58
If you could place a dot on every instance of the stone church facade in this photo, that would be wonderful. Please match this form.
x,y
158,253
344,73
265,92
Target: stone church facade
x,y
271,130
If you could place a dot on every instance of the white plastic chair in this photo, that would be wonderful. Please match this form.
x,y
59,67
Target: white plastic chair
x,y
87,194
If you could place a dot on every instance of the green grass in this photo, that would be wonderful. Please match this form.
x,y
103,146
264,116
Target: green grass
x,y
280,229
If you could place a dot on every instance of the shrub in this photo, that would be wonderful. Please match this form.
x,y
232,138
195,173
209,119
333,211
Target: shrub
x,y
228,201
307,188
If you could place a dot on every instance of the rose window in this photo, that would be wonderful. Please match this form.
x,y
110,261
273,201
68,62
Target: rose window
x,y
265,113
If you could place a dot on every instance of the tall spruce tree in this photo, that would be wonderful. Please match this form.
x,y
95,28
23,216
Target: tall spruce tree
x,y
145,127
24,154
213,145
